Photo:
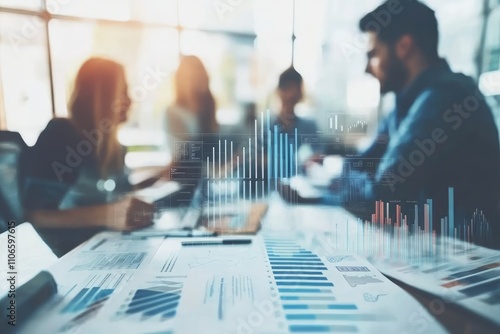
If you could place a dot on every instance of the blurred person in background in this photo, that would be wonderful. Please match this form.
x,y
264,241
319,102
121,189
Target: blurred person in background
x,y
75,176
193,112
441,133
191,126
290,91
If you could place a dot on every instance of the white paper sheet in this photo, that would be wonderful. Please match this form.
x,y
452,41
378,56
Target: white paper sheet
x,y
457,272
272,285
31,255
87,277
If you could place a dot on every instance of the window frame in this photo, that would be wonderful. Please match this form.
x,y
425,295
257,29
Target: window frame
x,y
47,16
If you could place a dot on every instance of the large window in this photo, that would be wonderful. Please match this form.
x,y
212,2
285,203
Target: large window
x,y
25,76
245,45
22,4
149,11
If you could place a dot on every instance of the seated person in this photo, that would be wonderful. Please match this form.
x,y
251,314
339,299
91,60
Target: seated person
x,y
74,176
193,112
441,134
191,123
291,92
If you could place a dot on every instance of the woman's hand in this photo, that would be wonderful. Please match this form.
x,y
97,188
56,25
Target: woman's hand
x,y
130,214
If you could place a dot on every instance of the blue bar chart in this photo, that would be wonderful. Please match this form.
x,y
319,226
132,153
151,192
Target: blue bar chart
x,y
284,285
306,294
159,301
321,294
262,158
97,288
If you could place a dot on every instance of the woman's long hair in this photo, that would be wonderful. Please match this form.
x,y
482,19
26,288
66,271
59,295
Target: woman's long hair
x,y
193,92
97,105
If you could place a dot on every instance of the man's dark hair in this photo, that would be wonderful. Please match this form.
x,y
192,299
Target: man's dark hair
x,y
396,18
289,76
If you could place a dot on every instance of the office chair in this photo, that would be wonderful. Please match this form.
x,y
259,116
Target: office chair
x,y
12,146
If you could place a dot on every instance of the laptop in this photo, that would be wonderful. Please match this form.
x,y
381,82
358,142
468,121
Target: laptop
x,y
215,206
219,207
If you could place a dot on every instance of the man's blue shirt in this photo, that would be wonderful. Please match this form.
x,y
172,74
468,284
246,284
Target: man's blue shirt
x,y
441,134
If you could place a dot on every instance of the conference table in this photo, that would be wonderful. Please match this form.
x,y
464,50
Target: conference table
x,y
326,230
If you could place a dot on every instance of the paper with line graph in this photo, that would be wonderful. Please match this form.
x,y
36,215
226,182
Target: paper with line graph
x,y
273,285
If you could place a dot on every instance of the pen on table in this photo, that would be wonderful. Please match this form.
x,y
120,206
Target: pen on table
x,y
171,234
217,242
91,309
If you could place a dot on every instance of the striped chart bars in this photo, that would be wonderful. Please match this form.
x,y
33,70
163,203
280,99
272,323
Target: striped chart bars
x,y
306,294
313,295
414,223
97,289
266,154
451,212
347,124
255,167
159,301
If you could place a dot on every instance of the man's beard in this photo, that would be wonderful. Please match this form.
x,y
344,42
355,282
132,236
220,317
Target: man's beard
x,y
396,75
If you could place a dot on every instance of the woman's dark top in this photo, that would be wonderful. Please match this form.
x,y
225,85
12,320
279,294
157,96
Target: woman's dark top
x,y
61,171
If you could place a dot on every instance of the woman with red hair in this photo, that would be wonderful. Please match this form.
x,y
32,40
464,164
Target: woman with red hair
x,y
75,176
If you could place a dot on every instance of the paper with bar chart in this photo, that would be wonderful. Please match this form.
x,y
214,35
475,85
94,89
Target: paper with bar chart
x,y
87,278
457,272
454,271
273,285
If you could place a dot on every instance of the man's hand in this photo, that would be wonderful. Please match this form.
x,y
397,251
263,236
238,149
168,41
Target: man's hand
x,y
291,195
